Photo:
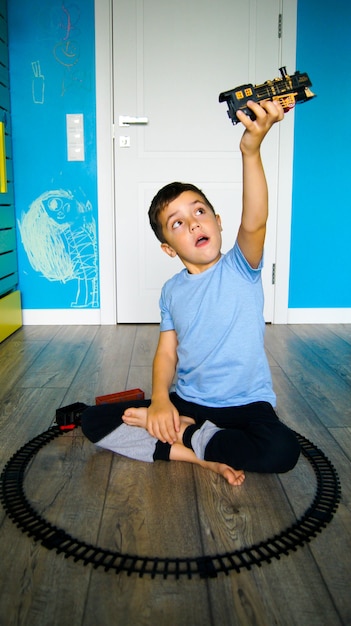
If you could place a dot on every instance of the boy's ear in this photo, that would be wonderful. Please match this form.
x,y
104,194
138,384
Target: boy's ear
x,y
168,250
219,221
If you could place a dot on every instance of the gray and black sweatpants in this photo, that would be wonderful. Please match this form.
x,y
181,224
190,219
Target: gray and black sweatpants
x,y
249,437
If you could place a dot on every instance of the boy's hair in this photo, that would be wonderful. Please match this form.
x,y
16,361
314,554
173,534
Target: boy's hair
x,y
163,197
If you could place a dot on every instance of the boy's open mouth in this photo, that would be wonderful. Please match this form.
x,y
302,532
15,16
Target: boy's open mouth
x,y
202,240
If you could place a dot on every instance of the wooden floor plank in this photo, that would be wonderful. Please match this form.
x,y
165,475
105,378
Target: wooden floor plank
x,y
232,519
343,437
140,378
66,484
327,394
36,333
297,412
145,345
150,511
341,330
15,359
334,351
25,414
140,371
144,504
38,586
104,368
58,363
120,601
279,593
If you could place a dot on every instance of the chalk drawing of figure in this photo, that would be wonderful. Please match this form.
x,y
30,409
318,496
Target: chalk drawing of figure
x,y
59,236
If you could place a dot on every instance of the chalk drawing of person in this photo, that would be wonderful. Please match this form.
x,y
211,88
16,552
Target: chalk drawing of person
x,y
59,236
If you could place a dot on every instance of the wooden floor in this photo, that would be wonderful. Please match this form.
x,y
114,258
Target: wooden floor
x,y
170,509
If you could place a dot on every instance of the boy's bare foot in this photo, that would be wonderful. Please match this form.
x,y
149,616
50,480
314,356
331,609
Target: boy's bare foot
x,y
136,417
231,475
180,453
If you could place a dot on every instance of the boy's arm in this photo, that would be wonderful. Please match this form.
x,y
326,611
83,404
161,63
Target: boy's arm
x,y
163,417
252,229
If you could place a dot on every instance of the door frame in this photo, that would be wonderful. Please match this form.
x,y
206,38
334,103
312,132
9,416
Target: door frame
x,y
105,165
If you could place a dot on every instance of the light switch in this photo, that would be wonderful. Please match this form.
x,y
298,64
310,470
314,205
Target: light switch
x,y
75,153
75,136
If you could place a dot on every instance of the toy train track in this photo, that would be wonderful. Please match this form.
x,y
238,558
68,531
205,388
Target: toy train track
x,y
23,514
288,90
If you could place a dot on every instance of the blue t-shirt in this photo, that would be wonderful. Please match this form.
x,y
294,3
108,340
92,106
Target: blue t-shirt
x,y
218,319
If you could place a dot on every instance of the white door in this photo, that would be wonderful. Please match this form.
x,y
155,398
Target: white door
x,y
171,61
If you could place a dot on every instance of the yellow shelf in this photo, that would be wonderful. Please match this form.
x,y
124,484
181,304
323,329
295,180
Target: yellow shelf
x,y
10,314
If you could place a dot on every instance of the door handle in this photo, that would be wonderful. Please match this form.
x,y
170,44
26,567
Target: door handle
x,y
128,120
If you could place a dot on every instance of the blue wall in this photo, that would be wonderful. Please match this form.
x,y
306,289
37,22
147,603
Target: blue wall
x,y
52,56
320,272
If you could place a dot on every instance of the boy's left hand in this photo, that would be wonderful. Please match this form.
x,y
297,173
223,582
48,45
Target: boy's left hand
x,y
267,113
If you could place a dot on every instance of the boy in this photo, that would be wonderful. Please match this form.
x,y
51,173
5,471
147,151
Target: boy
x,y
221,414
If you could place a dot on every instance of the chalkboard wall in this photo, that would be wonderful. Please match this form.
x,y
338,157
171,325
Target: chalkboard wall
x,y
52,52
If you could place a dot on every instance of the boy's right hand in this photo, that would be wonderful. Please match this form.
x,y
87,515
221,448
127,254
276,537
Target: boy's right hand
x,y
267,113
163,421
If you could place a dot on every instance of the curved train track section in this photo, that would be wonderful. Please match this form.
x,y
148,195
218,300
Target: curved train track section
x,y
312,522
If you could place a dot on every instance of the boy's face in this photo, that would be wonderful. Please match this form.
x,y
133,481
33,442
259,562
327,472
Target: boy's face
x,y
192,232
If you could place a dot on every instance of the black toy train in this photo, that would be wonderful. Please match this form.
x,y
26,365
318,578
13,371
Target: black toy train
x,y
289,90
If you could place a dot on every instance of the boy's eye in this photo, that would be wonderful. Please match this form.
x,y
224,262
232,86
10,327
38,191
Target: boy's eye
x,y
200,211
176,224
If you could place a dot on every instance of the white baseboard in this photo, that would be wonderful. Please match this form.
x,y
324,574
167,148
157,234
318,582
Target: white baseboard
x,y
61,317
81,317
319,316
